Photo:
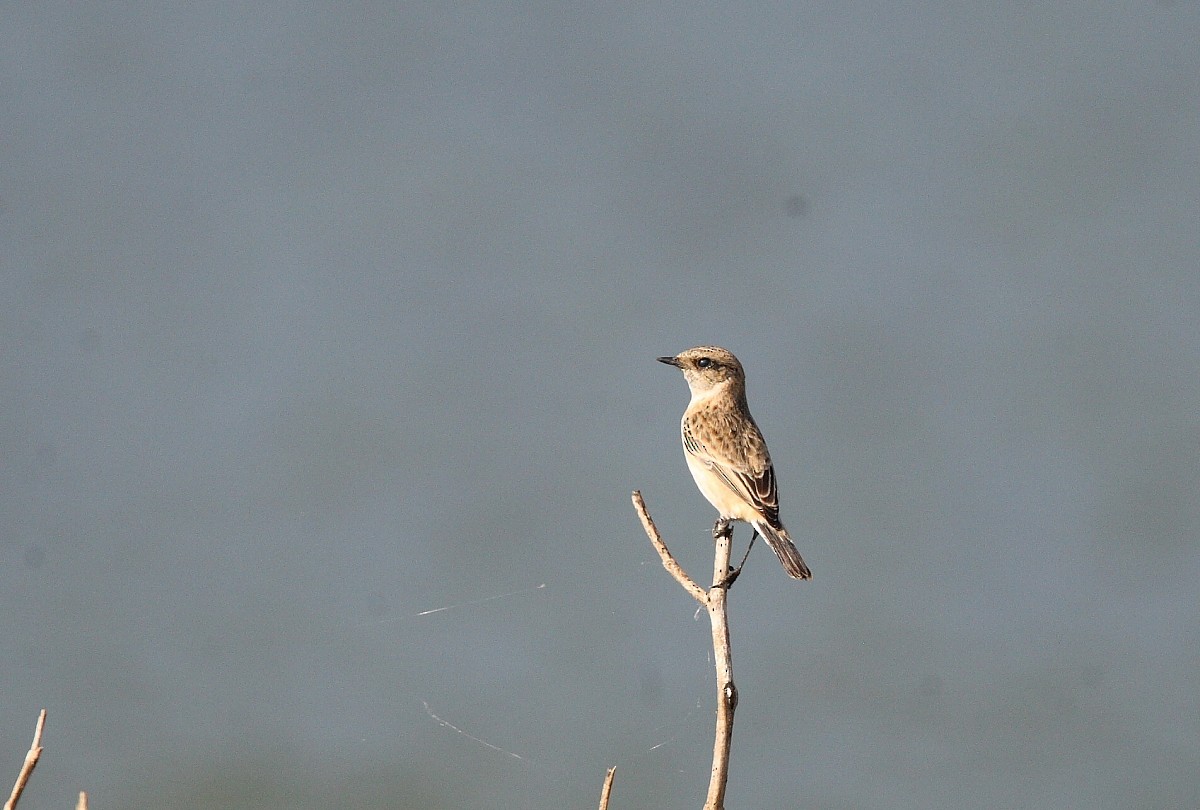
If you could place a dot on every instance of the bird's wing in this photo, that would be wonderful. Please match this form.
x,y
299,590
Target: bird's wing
x,y
742,462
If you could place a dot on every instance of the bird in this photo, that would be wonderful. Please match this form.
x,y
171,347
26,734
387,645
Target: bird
x,y
726,453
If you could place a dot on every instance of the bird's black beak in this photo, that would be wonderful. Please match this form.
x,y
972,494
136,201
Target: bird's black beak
x,y
670,361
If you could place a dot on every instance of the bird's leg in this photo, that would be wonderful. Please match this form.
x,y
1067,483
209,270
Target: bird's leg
x,y
732,576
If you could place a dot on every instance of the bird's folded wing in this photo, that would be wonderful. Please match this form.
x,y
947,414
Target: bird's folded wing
x,y
753,482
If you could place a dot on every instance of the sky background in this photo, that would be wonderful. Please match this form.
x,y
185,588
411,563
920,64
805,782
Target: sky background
x,y
319,317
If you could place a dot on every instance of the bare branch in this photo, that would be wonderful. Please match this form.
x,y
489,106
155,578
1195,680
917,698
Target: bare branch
x,y
727,695
668,561
606,791
714,600
31,760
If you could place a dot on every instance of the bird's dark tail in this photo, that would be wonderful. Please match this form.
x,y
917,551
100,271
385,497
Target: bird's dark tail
x,y
777,538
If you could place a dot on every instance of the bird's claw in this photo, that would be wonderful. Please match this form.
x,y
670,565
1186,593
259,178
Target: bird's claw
x,y
729,579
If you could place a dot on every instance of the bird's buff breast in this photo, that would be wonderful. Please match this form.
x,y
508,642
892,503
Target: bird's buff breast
x,y
717,492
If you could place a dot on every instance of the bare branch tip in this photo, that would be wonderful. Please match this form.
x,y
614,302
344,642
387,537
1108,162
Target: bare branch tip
x,y
37,729
606,791
31,760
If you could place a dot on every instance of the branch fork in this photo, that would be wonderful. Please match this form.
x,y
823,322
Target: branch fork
x,y
714,601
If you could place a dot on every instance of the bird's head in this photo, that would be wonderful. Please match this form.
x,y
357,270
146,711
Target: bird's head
x,y
707,367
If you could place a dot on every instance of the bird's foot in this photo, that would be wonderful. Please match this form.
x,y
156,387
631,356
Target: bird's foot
x,y
729,579
722,528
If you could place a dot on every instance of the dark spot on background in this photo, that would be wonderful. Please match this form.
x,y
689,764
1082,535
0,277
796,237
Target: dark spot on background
x,y
796,206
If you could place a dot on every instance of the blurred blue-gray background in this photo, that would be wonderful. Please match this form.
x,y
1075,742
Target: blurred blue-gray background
x,y
316,318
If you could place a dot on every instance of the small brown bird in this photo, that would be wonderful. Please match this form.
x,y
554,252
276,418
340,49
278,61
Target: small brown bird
x,y
726,453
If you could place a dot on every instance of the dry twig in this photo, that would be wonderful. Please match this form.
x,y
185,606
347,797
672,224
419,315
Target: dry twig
x,y
31,761
714,600
606,791
668,561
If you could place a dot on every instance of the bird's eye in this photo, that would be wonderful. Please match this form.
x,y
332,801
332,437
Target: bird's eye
x,y
704,362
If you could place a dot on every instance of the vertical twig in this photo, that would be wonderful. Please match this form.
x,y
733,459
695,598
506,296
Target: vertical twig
x,y
606,791
727,696
31,761
714,600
